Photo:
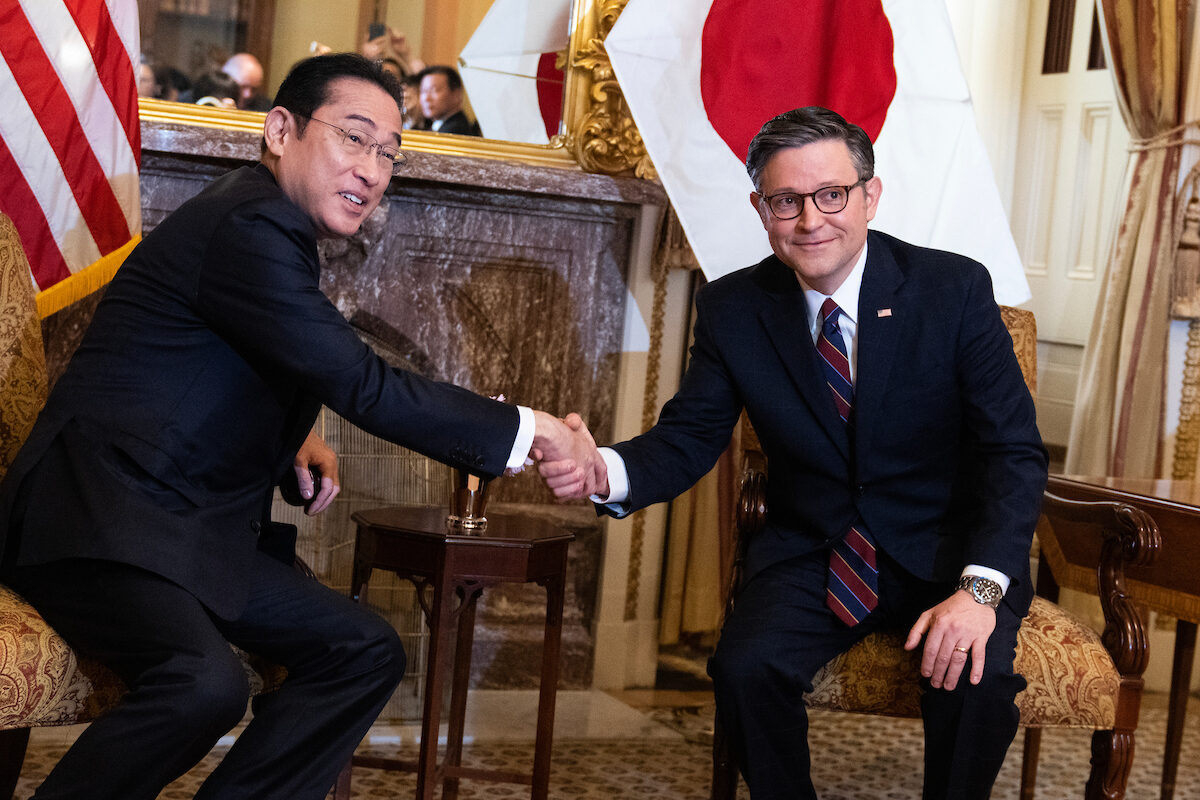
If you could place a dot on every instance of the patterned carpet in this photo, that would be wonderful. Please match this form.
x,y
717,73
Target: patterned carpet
x,y
855,757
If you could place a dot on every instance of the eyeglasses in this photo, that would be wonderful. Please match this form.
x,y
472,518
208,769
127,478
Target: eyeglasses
x,y
358,142
827,199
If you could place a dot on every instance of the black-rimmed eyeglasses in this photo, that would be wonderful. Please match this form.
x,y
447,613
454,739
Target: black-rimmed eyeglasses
x,y
827,199
359,142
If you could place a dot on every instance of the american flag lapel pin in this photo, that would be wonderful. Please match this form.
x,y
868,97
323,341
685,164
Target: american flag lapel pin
x,y
883,312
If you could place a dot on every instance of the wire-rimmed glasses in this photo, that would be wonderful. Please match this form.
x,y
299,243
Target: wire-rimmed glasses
x,y
359,142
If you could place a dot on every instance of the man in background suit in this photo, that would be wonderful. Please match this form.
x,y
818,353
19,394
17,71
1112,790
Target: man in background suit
x,y
136,516
442,98
904,464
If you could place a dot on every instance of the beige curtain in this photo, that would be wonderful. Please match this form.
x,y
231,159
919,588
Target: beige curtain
x,y
699,552
699,542
1118,421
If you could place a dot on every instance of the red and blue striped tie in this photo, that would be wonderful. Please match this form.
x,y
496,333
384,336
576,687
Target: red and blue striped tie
x,y
836,366
853,585
852,591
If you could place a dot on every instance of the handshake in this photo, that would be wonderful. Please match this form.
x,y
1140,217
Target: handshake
x,y
567,457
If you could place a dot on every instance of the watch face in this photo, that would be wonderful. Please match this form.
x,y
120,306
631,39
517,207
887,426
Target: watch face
x,y
986,591
983,590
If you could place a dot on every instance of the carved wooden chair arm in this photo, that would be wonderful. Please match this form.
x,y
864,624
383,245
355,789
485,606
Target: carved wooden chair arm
x,y
752,499
750,518
1131,538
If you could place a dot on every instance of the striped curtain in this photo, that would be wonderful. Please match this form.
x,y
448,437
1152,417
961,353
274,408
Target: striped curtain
x,y
1117,427
69,136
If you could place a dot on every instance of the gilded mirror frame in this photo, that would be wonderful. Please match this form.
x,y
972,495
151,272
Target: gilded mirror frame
x,y
599,132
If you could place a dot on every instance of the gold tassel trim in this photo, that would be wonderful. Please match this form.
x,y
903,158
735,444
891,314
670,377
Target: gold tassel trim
x,y
84,282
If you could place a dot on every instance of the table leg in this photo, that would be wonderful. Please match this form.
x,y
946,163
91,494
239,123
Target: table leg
x,y
458,688
360,575
1181,681
439,635
548,688
1029,762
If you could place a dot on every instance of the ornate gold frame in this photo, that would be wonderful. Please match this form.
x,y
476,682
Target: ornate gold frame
x,y
601,136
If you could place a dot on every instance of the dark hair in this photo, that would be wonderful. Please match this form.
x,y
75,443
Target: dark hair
x,y
170,77
802,126
453,79
306,87
215,84
400,72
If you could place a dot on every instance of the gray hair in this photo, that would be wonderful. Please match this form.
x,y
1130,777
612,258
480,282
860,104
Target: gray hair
x,y
802,126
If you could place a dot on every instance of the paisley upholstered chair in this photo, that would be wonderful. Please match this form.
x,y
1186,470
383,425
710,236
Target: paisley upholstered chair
x,y
42,681
1076,677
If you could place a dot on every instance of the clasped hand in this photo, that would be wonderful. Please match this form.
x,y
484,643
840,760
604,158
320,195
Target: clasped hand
x,y
569,461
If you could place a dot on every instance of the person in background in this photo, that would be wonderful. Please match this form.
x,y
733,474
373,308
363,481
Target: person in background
x,y
173,84
413,118
147,81
215,89
442,98
391,47
247,72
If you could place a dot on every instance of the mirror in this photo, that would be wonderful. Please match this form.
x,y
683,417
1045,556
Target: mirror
x,y
261,26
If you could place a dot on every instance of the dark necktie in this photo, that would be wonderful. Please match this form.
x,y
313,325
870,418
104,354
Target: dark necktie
x,y
853,582
832,349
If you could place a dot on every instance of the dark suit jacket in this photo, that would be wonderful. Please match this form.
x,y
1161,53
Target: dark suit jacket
x,y
946,467
201,374
457,123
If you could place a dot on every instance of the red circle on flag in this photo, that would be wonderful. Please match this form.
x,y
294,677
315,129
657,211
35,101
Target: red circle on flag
x,y
763,58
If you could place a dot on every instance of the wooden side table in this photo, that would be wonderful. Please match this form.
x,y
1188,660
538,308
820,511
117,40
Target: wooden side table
x,y
1168,586
415,543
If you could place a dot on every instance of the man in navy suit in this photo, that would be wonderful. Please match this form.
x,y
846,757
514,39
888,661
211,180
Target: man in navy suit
x,y
928,453
442,98
136,516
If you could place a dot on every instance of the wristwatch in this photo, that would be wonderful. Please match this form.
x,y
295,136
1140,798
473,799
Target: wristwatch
x,y
984,590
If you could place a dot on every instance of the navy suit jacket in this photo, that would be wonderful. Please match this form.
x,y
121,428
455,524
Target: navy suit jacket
x,y
457,123
203,370
945,467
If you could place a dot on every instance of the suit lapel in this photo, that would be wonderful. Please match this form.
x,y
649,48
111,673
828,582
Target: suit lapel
x,y
785,320
879,318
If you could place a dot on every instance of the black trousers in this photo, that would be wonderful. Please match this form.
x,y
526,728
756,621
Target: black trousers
x,y
781,632
187,688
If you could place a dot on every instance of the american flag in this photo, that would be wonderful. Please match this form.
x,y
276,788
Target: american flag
x,y
69,137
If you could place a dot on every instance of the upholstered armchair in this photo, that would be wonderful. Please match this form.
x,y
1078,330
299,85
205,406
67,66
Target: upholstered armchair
x,y
42,681
1076,677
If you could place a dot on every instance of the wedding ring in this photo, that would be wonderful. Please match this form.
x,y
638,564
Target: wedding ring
x,y
963,649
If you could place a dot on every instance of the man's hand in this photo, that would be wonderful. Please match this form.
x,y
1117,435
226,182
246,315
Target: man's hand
x,y
392,44
953,626
315,455
570,463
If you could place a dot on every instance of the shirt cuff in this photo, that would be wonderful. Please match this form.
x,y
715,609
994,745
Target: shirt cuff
x,y
618,478
990,574
524,440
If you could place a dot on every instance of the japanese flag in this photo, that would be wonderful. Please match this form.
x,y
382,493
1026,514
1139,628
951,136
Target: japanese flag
x,y
508,68
702,76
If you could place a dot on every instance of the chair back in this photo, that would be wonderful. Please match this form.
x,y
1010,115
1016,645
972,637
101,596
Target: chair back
x,y
22,359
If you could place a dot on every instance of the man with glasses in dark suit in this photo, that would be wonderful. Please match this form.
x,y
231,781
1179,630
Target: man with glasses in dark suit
x,y
136,516
905,469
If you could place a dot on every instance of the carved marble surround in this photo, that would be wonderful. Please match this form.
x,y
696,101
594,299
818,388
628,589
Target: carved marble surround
x,y
501,277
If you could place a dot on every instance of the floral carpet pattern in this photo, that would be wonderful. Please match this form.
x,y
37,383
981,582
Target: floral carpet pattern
x,y
854,757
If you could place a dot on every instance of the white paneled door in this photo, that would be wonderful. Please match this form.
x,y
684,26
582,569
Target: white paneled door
x,y
1071,160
